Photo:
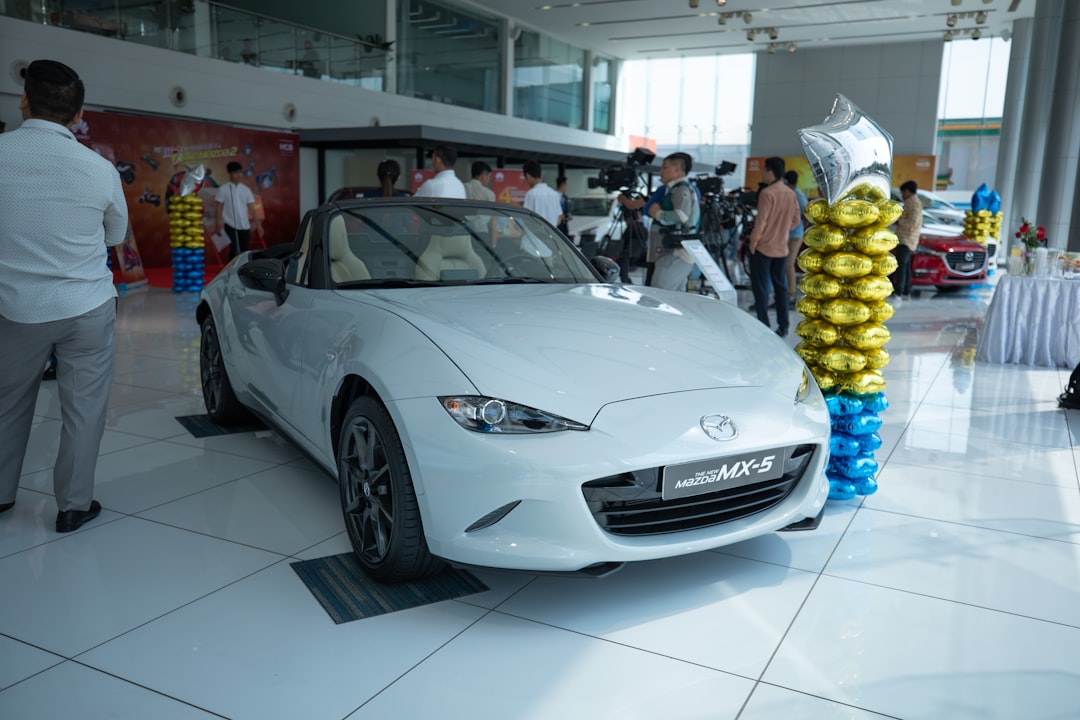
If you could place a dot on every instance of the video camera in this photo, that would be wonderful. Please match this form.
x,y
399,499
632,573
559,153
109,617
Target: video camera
x,y
624,178
714,185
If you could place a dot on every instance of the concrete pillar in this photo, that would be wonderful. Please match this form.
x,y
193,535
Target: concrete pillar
x,y
1062,153
1009,142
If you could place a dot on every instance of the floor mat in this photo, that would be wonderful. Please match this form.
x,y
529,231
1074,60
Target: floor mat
x,y
347,594
201,426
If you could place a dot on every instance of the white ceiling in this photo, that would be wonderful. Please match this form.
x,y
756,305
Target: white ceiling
x,y
639,29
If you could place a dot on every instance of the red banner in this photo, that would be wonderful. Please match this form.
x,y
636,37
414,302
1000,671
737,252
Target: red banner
x,y
509,186
152,156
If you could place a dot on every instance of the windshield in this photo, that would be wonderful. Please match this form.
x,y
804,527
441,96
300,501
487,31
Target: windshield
x,y
934,202
407,243
598,205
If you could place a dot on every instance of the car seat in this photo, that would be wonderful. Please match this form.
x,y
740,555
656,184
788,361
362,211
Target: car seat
x,y
345,266
450,254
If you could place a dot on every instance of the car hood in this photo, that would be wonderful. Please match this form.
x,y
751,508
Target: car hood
x,y
571,349
951,244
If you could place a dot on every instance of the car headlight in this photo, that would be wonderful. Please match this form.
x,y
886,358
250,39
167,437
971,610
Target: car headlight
x,y
491,415
805,383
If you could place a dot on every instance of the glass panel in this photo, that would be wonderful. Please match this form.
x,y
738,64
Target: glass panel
x,y
237,36
447,54
601,88
277,46
548,79
145,22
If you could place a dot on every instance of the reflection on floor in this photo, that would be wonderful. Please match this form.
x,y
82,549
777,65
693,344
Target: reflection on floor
x,y
954,592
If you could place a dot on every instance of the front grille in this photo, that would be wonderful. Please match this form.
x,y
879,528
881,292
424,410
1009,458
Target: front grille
x,y
631,503
955,260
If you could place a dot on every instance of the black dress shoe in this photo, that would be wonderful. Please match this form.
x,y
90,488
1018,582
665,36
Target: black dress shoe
x,y
782,332
69,520
4,507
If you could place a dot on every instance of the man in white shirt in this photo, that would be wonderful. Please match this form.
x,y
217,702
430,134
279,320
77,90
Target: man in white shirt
x,y
234,204
477,189
445,184
61,204
541,198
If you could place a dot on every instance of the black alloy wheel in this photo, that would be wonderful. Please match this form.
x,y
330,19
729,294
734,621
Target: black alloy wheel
x,y
218,396
377,497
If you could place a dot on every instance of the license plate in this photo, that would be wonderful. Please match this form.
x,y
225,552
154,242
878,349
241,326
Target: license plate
x,y
705,476
967,266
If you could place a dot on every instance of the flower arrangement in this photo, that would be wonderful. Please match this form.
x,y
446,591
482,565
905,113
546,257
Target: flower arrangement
x,y
1031,235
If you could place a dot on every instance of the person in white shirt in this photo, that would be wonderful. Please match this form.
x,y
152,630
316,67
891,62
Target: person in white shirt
x,y
61,205
234,204
541,198
445,184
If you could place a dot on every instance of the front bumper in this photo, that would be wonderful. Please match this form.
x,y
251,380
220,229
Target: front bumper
x,y
562,492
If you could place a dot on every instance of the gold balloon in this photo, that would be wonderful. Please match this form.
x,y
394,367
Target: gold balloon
x,y
878,358
842,360
983,213
193,215
889,211
817,211
885,264
821,286
867,336
811,260
825,238
808,307
854,213
880,311
848,265
874,241
865,191
179,223
825,379
808,352
845,311
871,287
817,332
864,383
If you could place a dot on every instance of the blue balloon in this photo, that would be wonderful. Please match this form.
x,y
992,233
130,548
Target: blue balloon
x,y
843,404
862,424
981,199
866,486
995,202
855,468
841,490
868,444
843,445
877,402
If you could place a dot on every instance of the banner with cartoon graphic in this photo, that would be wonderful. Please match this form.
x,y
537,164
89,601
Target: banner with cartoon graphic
x,y
153,154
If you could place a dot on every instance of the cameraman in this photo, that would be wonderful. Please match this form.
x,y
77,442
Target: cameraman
x,y
677,211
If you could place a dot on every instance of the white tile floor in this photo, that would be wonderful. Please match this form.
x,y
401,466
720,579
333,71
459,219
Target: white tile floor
x,y
954,592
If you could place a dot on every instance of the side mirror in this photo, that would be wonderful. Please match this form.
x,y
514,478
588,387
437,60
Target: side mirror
x,y
266,274
608,268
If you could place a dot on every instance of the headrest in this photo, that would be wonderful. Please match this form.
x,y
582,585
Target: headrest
x,y
339,238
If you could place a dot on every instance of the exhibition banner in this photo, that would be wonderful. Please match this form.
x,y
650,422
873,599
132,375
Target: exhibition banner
x,y
418,178
509,186
919,168
152,156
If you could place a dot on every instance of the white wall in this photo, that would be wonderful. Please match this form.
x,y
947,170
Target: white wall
x,y
895,84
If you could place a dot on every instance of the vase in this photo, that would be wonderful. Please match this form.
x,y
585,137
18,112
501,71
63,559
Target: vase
x,y
1028,268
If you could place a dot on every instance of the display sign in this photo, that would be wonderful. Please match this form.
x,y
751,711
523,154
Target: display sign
x,y
153,154
418,178
712,272
509,186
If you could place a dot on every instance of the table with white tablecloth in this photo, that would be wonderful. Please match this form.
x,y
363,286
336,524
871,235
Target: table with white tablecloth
x,y
1033,321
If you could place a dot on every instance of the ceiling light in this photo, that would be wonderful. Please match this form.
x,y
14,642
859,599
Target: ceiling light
x,y
747,18
980,17
792,48
772,48
949,35
951,21
956,2
693,4
773,33
721,3
721,19
976,34
1006,34
750,35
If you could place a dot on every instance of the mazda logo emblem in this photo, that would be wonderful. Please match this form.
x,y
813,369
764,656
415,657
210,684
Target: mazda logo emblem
x,y
969,256
719,427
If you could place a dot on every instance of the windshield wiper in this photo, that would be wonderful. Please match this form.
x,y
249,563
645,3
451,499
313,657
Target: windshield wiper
x,y
387,283
509,281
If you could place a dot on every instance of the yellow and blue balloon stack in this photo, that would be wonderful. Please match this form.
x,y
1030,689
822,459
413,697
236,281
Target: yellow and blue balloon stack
x,y
847,263
983,220
187,240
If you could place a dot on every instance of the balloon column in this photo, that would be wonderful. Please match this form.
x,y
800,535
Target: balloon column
x,y
984,218
847,263
187,234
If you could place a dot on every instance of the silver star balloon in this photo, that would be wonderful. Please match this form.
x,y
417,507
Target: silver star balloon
x,y
193,180
847,150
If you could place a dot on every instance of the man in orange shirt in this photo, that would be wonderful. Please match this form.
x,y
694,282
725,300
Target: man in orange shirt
x,y
777,215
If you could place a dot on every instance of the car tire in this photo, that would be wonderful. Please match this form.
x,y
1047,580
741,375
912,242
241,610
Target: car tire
x,y
218,396
378,501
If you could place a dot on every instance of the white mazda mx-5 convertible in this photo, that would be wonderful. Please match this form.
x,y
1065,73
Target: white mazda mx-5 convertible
x,y
485,395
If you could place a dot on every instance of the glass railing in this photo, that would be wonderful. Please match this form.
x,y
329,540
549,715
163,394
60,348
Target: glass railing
x,y
211,29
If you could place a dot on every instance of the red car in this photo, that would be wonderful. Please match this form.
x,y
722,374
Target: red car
x,y
948,263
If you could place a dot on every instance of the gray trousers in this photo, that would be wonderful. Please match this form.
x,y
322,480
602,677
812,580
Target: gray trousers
x,y
672,270
85,348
